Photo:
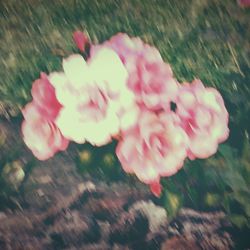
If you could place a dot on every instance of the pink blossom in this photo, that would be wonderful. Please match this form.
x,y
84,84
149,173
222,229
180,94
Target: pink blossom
x,y
41,136
204,118
40,133
93,95
80,39
130,48
156,188
44,97
244,3
155,147
149,77
153,84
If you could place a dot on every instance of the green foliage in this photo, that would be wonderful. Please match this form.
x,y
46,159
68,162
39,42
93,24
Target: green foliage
x,y
172,202
222,181
14,170
100,162
239,220
13,173
11,177
212,199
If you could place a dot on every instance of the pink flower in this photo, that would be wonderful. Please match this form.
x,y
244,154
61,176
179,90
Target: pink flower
x,y
80,39
149,77
93,95
244,3
204,118
44,97
129,49
155,147
41,136
156,188
153,84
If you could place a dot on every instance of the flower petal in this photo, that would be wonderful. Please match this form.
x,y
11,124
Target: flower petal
x,y
75,68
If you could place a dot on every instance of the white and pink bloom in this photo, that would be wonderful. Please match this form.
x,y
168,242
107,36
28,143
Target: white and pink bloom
x,y
39,131
149,77
44,97
129,49
204,118
41,136
155,147
93,95
153,84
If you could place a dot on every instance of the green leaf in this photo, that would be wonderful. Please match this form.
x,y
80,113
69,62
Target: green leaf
x,y
244,199
172,203
235,180
238,220
226,151
245,158
212,199
226,203
247,209
212,175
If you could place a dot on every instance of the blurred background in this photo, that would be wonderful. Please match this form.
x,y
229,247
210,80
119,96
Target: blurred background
x,y
206,39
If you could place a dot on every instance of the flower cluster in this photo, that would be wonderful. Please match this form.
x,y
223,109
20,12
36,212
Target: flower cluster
x,y
125,90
